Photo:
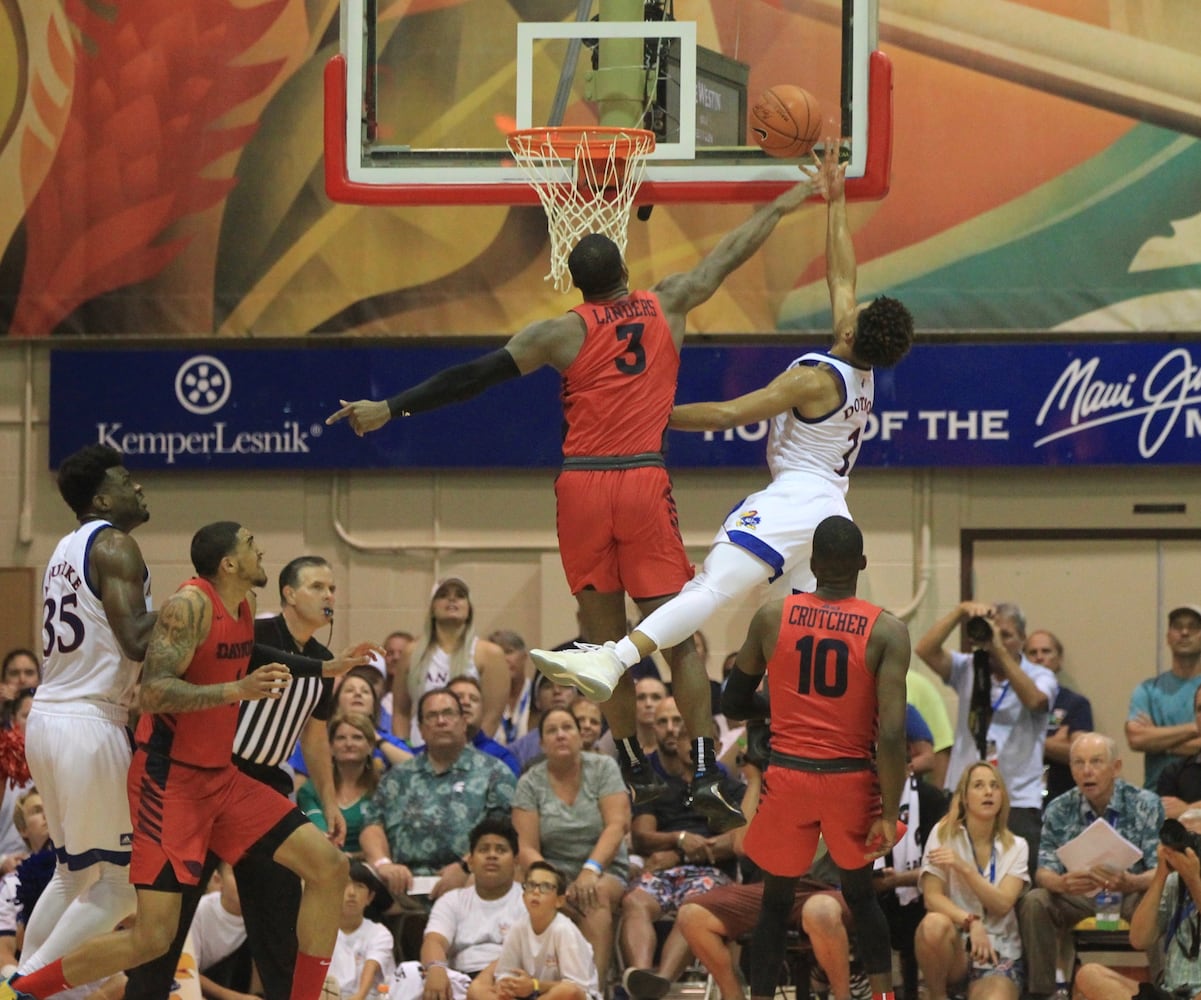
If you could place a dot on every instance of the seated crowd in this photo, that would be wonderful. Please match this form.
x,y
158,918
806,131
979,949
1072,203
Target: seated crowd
x,y
496,855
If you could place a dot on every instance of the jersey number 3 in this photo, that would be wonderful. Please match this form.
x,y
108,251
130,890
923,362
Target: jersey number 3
x,y
72,622
823,666
632,361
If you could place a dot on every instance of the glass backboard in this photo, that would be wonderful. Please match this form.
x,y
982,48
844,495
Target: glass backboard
x,y
421,97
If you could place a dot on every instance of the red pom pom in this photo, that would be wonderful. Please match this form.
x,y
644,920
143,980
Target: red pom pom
x,y
12,757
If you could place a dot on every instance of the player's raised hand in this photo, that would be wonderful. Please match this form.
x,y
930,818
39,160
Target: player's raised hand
x,y
364,415
834,172
270,680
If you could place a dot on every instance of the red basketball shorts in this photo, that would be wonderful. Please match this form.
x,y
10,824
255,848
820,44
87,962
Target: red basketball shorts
x,y
796,806
181,813
618,530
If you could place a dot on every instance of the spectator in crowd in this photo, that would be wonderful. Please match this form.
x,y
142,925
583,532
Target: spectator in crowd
x,y
471,700
649,691
14,775
1072,713
1160,721
467,926
515,719
449,649
1021,695
973,872
356,694
351,740
1180,783
545,955
547,695
362,959
572,810
896,880
919,742
419,821
1166,923
680,858
21,669
923,695
398,647
219,944
588,717
21,887
1063,898
711,921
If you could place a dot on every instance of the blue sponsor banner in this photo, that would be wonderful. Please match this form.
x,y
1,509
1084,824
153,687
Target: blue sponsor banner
x,y
945,405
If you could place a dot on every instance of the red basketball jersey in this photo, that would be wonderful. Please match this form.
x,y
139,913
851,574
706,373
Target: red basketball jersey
x,y
619,391
823,697
206,738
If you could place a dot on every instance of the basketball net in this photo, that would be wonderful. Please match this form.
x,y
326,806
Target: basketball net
x,y
607,165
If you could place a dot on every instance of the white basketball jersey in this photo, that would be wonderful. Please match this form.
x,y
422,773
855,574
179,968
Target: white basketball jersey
x,y
829,445
83,660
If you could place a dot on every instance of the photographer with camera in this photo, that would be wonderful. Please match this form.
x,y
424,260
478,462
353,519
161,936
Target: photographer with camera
x,y
1003,703
1048,913
1166,922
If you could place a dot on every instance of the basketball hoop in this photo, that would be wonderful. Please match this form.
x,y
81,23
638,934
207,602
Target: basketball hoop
x,y
586,179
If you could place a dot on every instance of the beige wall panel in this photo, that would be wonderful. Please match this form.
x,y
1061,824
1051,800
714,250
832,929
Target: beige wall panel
x,y
1080,590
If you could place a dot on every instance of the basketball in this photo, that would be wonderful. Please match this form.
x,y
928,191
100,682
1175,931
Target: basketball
x,y
786,121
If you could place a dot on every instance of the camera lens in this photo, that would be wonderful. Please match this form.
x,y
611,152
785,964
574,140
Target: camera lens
x,y
978,630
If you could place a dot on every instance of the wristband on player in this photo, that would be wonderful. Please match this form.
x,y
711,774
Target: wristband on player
x,y
380,862
595,867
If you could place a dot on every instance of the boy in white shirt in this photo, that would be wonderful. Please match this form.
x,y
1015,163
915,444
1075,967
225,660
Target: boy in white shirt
x,y
467,926
545,957
362,958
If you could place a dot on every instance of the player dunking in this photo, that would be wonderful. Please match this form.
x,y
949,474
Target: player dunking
x,y
96,598
819,408
618,353
185,795
836,670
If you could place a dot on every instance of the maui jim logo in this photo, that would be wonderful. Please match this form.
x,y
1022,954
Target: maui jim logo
x,y
1172,387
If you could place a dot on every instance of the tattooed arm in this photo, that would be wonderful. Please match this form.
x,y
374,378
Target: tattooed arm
x,y
182,625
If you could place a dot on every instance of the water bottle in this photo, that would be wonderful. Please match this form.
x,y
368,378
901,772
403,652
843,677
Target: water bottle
x,y
1109,910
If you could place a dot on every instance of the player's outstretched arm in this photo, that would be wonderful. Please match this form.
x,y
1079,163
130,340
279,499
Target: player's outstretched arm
x,y
681,292
801,387
182,625
841,271
541,343
451,385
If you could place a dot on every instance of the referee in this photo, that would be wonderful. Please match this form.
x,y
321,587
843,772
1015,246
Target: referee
x,y
267,732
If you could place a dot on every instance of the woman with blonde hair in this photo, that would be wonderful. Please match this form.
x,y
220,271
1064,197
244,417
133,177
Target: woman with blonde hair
x,y
450,649
973,871
352,739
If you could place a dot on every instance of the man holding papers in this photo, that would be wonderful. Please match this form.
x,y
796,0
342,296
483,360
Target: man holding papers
x,y
1065,891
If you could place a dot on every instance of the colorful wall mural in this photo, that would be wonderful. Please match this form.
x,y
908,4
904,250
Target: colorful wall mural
x,y
162,176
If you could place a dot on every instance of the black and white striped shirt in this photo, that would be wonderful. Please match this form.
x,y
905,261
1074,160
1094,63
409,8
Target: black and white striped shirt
x,y
268,729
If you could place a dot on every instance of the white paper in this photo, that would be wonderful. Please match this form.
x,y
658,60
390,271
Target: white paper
x,y
1099,844
423,885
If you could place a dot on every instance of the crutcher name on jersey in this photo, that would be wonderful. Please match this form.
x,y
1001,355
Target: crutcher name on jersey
x,y
65,569
234,650
629,309
828,619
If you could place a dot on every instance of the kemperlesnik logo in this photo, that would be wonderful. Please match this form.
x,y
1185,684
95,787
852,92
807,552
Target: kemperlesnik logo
x,y
202,384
